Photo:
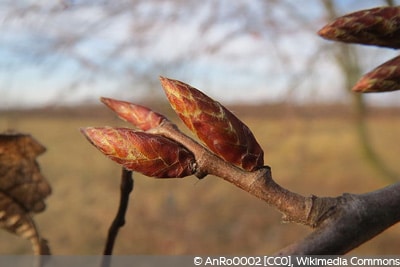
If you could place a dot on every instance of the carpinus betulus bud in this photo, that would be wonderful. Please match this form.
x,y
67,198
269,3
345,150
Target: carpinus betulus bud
x,y
378,26
149,154
384,78
215,125
141,117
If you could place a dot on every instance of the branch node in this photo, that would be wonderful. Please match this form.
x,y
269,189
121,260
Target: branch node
x,y
309,209
320,209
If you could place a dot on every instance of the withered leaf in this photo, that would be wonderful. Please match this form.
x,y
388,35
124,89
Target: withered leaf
x,y
15,219
20,175
22,186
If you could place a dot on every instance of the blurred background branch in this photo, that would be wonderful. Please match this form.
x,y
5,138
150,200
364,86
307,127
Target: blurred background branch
x,y
80,49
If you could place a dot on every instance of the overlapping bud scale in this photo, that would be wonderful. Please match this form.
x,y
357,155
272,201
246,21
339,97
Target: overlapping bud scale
x,y
377,26
149,154
215,125
384,78
141,117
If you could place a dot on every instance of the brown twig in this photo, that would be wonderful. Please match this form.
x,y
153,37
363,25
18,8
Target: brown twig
x,y
127,184
259,183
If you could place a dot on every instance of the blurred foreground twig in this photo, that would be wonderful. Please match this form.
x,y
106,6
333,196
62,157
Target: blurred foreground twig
x,y
119,220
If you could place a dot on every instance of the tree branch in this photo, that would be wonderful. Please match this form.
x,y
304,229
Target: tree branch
x,y
354,220
341,223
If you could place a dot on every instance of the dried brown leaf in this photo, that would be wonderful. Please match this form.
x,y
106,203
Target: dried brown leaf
x,y
22,187
20,174
15,219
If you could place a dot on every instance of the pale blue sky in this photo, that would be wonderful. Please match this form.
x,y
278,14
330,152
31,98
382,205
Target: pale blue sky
x,y
257,66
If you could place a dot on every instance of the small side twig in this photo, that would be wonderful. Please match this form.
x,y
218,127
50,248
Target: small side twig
x,y
119,220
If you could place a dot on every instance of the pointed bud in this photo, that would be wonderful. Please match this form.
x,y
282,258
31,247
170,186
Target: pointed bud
x,y
151,155
384,78
143,118
377,26
216,126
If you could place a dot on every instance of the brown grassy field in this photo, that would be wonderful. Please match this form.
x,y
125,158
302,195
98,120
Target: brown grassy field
x,y
311,151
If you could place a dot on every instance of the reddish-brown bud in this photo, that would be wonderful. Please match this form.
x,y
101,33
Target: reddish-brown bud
x,y
216,126
384,78
149,154
377,26
142,117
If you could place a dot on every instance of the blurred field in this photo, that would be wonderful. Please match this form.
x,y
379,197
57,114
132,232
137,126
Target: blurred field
x,y
310,150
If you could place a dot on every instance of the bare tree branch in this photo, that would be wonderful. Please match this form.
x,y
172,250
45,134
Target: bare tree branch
x,y
341,223
354,220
